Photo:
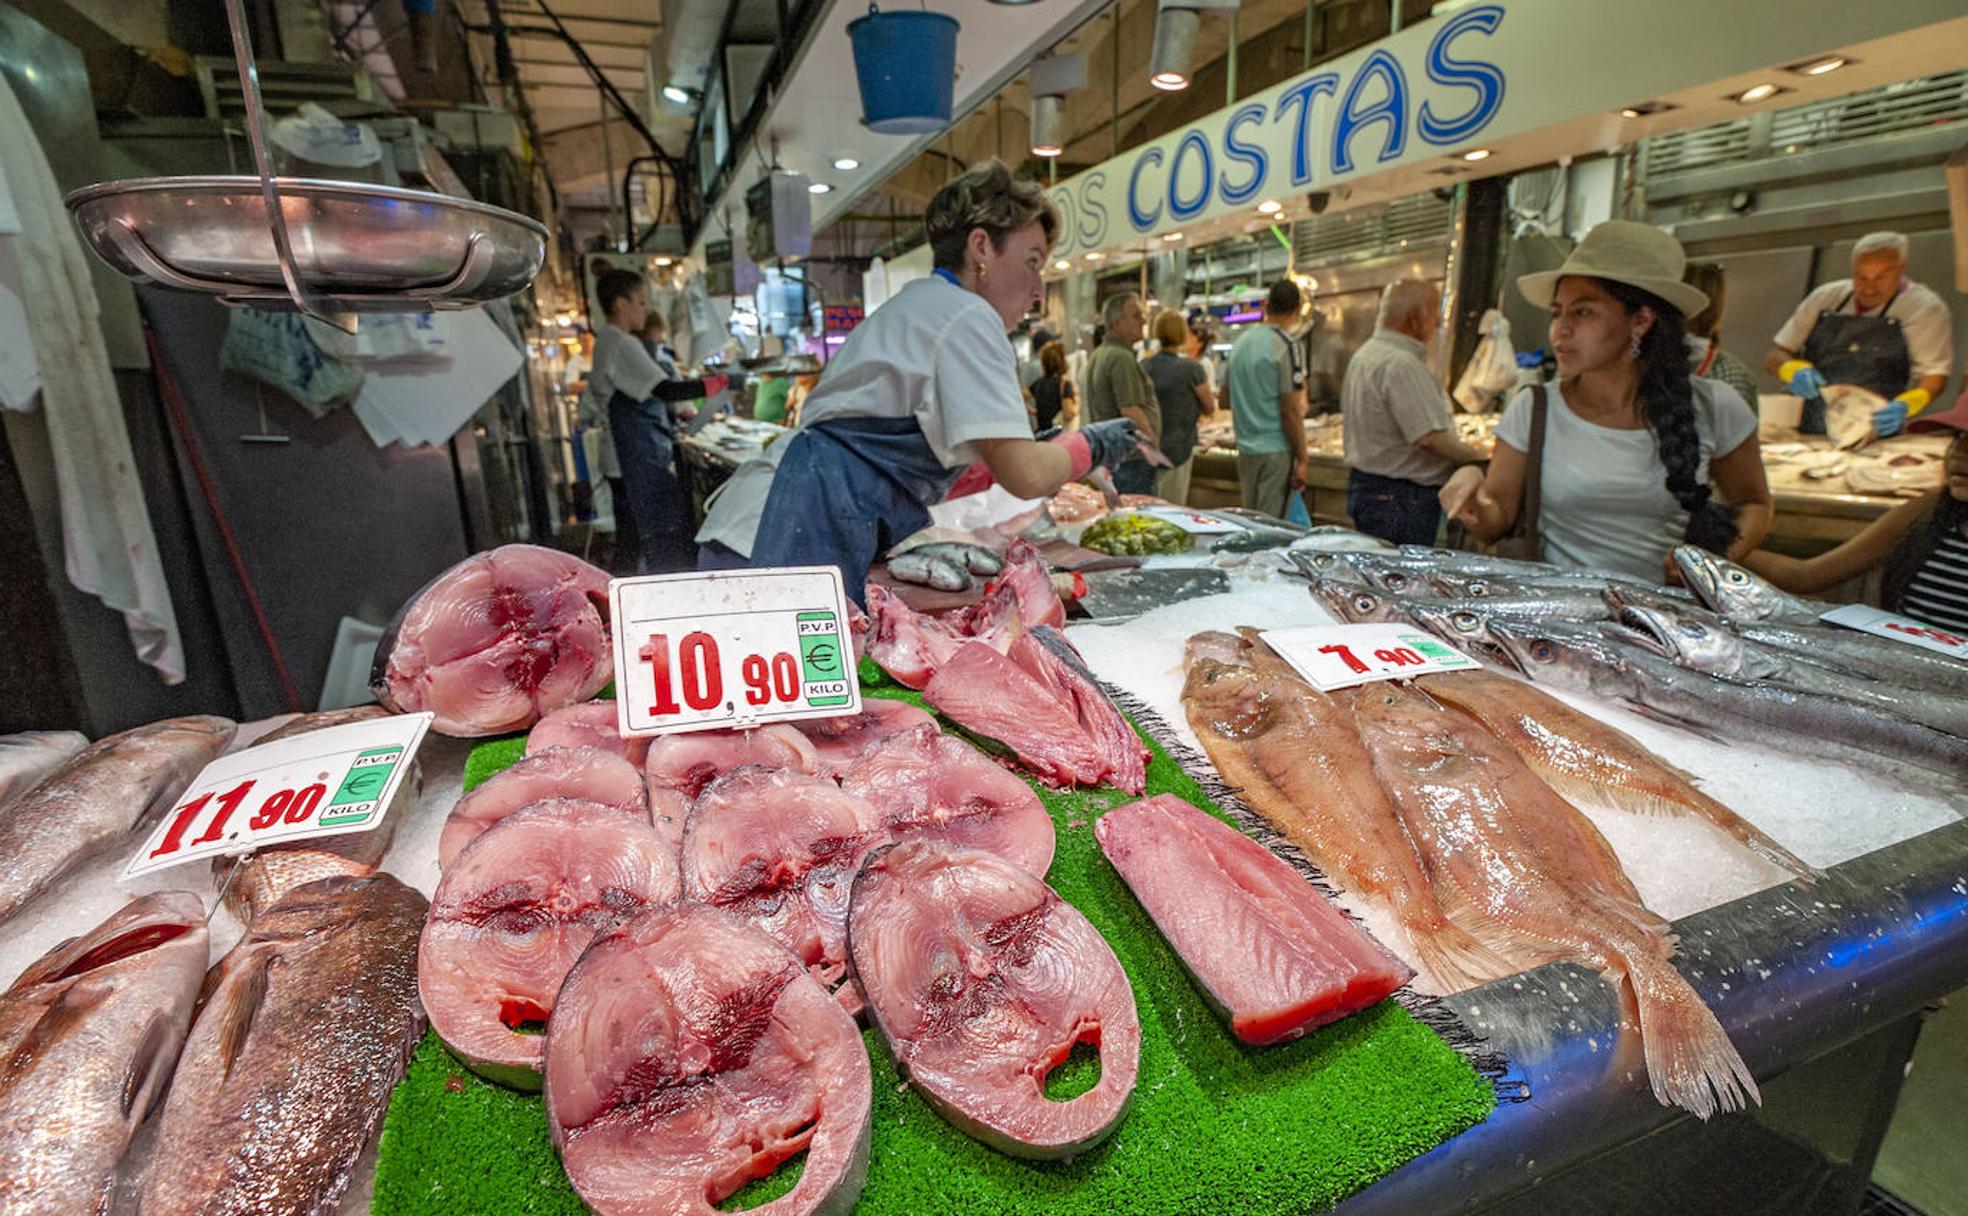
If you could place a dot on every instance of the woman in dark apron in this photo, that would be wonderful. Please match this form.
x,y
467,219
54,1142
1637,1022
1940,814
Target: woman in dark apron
x,y
923,389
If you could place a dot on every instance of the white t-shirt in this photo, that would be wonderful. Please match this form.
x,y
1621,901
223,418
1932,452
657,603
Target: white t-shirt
x,y
934,351
1923,316
1605,504
621,363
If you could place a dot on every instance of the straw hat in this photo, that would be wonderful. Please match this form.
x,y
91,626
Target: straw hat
x,y
1624,251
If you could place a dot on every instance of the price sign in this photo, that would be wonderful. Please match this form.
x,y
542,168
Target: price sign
x,y
731,648
323,783
1341,656
1900,628
1195,523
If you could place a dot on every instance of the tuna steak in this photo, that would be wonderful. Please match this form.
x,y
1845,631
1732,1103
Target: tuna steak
x,y
779,848
589,724
992,695
89,1034
304,1029
1268,951
981,981
101,798
587,773
839,742
680,766
925,785
251,885
498,640
512,914
690,1054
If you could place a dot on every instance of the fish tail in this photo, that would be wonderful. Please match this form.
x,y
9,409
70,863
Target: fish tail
x,y
1690,1061
1457,959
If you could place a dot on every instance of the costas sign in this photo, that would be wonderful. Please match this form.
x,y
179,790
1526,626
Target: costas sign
x,y
1367,111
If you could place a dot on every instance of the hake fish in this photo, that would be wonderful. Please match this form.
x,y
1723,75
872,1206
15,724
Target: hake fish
x,y
88,1035
305,1028
1589,762
1497,841
105,793
1738,593
1803,724
29,756
1295,757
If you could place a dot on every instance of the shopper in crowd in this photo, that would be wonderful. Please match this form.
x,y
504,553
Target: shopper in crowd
x,y
1705,353
1266,383
1877,329
1202,332
1631,438
769,402
1183,392
639,397
1116,387
1921,546
1401,442
923,388
1053,403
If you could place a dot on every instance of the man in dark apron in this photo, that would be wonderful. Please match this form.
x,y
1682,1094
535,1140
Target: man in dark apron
x,y
1895,340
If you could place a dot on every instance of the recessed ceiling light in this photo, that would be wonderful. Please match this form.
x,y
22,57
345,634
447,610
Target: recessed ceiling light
x,y
846,164
1818,67
1095,256
1046,149
1476,154
665,261
1758,92
818,188
1062,264
1270,206
676,93
1169,82
1629,112
1642,109
1171,236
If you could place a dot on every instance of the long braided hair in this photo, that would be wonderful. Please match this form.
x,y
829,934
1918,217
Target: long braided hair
x,y
1667,405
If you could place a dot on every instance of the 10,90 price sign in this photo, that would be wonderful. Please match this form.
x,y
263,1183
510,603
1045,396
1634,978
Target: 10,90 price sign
x,y
323,783
734,648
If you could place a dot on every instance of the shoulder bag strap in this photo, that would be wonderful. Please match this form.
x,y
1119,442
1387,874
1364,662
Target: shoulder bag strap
x,y
1527,519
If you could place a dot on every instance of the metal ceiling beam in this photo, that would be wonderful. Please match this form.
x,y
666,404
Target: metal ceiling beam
x,y
513,11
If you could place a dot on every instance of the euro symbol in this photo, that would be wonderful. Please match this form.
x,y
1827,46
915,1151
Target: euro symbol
x,y
823,655
366,783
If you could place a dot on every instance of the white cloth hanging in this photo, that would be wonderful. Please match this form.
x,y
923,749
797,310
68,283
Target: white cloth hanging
x,y
108,548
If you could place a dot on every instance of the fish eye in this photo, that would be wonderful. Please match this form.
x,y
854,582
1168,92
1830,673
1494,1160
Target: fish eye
x,y
1693,630
1737,577
1364,603
1464,621
1542,651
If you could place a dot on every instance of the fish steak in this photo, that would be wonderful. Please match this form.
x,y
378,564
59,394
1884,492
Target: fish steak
x,y
89,1034
588,773
514,911
497,640
839,742
101,797
1269,952
690,1054
679,767
981,981
303,1030
926,785
589,724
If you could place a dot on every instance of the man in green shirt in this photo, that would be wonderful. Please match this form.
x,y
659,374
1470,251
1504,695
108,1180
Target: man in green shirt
x,y
1116,387
1266,383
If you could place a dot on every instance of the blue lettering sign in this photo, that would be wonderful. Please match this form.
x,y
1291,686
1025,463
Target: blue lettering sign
x,y
1443,68
1178,208
1250,154
1142,220
1062,201
1093,213
1300,98
1391,110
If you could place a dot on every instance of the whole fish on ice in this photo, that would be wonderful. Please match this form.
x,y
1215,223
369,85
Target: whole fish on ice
x,y
29,756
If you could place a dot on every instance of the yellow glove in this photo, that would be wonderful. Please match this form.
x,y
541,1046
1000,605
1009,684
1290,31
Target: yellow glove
x,y
1915,400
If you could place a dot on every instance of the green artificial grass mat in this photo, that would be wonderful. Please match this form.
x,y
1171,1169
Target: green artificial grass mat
x,y
1214,1127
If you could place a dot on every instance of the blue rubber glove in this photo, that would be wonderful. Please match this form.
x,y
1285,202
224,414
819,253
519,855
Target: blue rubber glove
x,y
1807,382
1889,418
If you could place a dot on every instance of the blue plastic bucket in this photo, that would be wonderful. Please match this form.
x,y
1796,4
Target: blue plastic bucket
x,y
906,64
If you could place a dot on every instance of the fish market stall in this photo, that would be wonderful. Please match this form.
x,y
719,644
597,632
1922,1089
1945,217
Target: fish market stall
x,y
706,456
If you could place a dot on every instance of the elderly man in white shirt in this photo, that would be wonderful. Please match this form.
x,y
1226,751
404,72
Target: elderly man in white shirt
x,y
1401,442
1877,329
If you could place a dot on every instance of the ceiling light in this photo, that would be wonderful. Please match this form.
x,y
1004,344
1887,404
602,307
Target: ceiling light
x,y
1629,112
676,93
1095,256
1171,236
818,188
1475,154
1758,92
1819,67
1270,206
665,261
846,164
1048,120
1062,264
1642,109
1175,42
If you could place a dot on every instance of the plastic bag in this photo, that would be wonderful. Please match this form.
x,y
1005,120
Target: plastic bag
x,y
277,349
1295,511
1492,369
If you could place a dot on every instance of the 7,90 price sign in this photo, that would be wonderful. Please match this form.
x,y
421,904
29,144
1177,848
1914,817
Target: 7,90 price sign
x,y
1341,656
731,648
323,783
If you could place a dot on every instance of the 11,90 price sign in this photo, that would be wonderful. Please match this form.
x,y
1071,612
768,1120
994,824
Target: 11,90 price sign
x,y
323,783
1341,656
734,648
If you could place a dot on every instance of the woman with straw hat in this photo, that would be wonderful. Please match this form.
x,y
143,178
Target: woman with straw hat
x,y
1627,454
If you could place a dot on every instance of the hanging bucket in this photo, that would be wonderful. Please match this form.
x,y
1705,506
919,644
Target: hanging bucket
x,y
906,64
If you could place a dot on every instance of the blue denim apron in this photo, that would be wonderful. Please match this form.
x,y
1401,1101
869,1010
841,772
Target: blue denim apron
x,y
1868,351
647,453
